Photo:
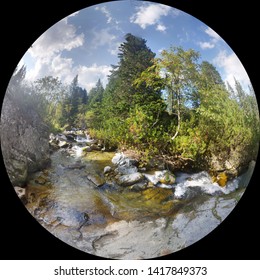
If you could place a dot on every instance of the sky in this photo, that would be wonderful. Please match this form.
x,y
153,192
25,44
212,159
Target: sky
x,y
86,42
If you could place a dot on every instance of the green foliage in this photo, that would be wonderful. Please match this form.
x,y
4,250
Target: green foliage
x,y
172,106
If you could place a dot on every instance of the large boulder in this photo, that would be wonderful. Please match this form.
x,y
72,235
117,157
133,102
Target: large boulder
x,y
24,141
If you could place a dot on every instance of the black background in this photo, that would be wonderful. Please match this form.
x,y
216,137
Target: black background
x,y
22,237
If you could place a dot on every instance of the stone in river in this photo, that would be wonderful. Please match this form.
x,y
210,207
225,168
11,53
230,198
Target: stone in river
x,y
63,144
165,177
107,169
118,158
86,149
130,179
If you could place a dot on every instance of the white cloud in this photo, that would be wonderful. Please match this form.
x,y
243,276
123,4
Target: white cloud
x,y
88,76
63,69
231,68
105,11
61,36
110,20
46,57
214,38
47,49
206,45
151,14
161,27
105,37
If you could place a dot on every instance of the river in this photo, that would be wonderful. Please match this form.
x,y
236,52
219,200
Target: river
x,y
121,223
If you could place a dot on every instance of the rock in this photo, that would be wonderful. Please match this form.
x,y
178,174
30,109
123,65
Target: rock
x,y
62,137
190,193
164,177
24,139
96,179
139,186
107,169
52,137
63,144
119,158
76,165
41,180
71,137
130,179
86,149
95,147
124,170
20,192
221,179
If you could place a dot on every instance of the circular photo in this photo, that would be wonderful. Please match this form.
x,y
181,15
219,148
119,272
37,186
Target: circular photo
x,y
130,130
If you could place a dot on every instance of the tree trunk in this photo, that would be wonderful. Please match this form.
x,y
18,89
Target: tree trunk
x,y
179,118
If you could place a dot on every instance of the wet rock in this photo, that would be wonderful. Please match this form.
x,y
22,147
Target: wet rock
x,y
139,186
76,165
125,170
95,147
96,179
61,137
52,137
63,144
190,193
71,137
164,177
107,169
119,158
221,179
86,149
130,179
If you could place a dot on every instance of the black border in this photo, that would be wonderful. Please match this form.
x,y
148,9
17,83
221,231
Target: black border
x,y
21,236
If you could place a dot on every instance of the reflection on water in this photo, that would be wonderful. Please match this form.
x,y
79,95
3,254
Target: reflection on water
x,y
74,201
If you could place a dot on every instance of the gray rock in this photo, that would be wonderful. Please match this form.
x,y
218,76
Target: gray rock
x,y
24,140
125,170
62,137
118,158
164,177
107,169
20,192
142,185
63,144
130,179
95,147
86,149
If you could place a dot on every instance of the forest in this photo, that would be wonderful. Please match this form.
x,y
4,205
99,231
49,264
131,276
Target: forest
x,y
173,108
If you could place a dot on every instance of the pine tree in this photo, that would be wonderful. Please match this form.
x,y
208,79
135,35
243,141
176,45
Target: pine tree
x,y
134,57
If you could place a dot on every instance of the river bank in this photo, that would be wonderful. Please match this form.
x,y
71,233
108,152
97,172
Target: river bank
x,y
84,200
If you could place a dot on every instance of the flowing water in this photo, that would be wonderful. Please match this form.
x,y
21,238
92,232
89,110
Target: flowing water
x,y
72,201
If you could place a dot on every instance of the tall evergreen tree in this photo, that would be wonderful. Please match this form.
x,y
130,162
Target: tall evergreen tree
x,y
77,100
95,94
134,57
210,74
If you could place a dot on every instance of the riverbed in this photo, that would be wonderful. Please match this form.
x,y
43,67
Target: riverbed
x,y
73,200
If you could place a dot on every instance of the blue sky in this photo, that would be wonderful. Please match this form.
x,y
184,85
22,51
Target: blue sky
x,y
86,42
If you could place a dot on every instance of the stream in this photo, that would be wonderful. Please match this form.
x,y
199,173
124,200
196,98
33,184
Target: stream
x,y
75,201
